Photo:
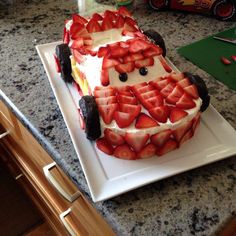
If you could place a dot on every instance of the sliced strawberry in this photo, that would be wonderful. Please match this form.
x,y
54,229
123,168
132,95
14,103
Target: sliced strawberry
x,y
124,11
104,78
188,135
225,61
185,102
97,17
160,84
159,139
164,64
120,21
144,121
145,89
93,26
137,45
107,112
100,93
167,147
127,100
144,62
58,67
125,68
88,41
130,21
78,30
66,36
106,100
177,114
113,138
77,43
179,133
123,119
129,27
123,89
136,140
184,83
175,95
152,51
102,51
196,121
107,23
78,19
118,51
233,57
150,94
176,76
109,62
192,91
110,14
104,146
137,86
155,101
166,91
124,152
78,57
148,151
126,93
133,57
129,108
160,113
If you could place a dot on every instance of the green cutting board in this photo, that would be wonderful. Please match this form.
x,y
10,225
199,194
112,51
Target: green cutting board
x,y
207,54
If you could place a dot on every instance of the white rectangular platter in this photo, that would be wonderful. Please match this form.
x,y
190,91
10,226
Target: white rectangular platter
x,y
107,176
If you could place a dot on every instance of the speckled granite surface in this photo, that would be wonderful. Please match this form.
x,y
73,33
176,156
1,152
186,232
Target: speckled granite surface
x,y
197,202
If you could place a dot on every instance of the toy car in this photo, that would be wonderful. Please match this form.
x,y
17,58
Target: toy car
x,y
221,9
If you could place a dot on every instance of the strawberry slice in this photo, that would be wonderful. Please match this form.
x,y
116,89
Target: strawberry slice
x,y
102,51
155,101
185,102
105,92
104,146
137,86
118,51
127,100
78,57
167,147
58,67
120,21
111,15
133,57
107,23
159,139
136,140
123,119
180,132
66,36
122,89
93,26
160,113
175,95
160,84
78,19
146,88
148,151
176,76
129,27
164,64
88,41
233,57
97,17
77,43
109,62
104,78
144,62
225,61
187,136
129,108
124,11
106,100
144,121
150,94
125,68
113,138
137,45
107,112
124,152
78,30
192,91
152,51
166,91
184,83
177,114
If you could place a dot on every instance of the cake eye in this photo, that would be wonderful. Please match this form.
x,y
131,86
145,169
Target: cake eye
x,y
143,71
123,77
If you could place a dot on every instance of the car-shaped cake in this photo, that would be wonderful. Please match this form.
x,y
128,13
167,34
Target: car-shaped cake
x,y
133,104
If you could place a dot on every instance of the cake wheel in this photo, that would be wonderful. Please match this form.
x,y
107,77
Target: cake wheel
x,y
224,9
90,114
157,38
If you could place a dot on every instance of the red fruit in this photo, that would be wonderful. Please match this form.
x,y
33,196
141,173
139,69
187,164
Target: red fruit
x,y
177,114
124,11
129,108
166,91
58,67
97,17
104,77
146,88
144,62
176,76
129,28
136,140
233,57
165,65
179,133
117,51
104,146
184,83
175,95
111,15
78,57
167,147
123,119
152,51
93,26
78,19
225,61
113,137
78,30
125,68
137,86
149,94
107,112
124,152
66,36
185,102
133,57
137,45
120,21
155,101
105,92
127,100
148,151
107,23
160,84
160,113
109,62
77,43
122,89
144,121
159,139
106,100
102,51
192,91
188,135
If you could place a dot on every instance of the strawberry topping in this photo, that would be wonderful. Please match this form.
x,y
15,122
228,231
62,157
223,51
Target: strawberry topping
x,y
148,151
170,145
104,146
113,137
144,121
107,112
93,26
124,152
177,114
185,102
136,140
125,68
160,113
124,119
159,139
145,62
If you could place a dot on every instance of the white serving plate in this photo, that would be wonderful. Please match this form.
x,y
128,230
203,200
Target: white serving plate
x,y
107,176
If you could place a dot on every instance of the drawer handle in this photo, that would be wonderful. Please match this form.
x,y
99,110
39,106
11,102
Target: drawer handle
x,y
62,217
57,185
4,134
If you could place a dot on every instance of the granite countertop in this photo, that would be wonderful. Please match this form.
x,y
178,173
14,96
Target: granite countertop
x,y
197,202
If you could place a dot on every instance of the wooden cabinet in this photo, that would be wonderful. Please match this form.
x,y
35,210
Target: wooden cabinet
x,y
64,207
